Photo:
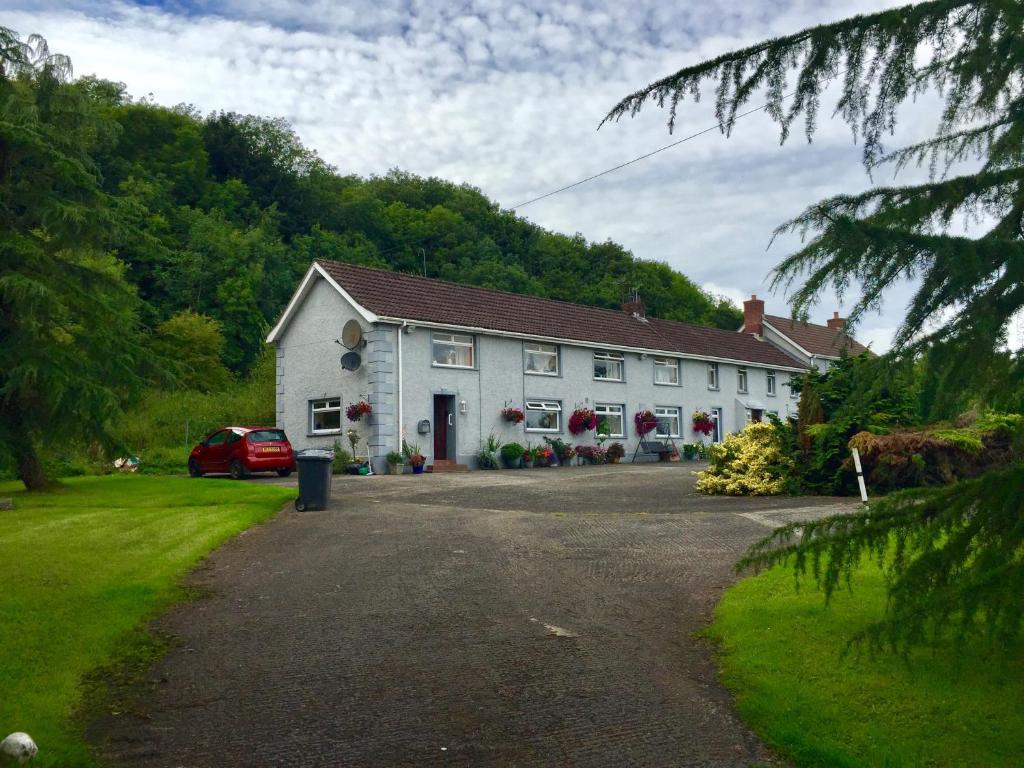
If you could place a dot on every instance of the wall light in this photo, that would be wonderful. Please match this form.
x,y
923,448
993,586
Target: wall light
x,y
462,406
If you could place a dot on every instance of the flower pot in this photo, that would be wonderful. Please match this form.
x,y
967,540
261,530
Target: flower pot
x,y
527,464
394,469
417,470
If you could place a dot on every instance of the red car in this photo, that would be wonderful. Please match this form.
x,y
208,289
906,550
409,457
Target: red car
x,y
241,450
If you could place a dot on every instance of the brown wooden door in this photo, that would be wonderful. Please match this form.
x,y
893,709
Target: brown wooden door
x,y
440,427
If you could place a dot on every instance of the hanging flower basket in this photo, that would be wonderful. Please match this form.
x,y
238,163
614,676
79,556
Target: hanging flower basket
x,y
582,420
702,422
513,415
356,411
645,422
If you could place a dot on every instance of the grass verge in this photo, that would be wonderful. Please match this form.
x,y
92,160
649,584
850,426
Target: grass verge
x,y
780,652
83,567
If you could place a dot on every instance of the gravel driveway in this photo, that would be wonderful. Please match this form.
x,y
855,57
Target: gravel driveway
x,y
542,617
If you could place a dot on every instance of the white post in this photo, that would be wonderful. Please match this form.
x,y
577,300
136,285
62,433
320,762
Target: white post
x,y
860,475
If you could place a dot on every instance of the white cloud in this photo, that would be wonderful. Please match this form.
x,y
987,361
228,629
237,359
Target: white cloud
x,y
505,96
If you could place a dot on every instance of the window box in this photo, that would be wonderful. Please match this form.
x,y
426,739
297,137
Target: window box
x,y
543,416
609,366
325,416
452,350
540,359
609,420
666,371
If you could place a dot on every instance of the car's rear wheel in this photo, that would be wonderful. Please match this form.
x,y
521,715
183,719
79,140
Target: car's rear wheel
x,y
283,472
237,470
193,468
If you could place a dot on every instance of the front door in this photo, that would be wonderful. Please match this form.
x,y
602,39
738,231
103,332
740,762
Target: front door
x,y
444,427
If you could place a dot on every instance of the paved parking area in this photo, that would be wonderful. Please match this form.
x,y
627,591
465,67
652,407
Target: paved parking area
x,y
542,617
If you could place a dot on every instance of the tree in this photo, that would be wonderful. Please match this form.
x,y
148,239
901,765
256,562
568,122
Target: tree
x,y
68,327
957,553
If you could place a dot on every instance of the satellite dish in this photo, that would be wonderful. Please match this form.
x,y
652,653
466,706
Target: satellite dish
x,y
352,334
351,361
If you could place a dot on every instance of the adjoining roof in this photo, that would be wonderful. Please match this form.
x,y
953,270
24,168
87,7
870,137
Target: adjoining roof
x,y
816,339
393,295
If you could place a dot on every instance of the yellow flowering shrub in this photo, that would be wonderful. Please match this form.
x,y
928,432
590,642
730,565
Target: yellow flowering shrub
x,y
750,463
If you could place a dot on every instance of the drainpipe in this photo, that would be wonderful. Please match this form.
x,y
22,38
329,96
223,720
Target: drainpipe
x,y
401,394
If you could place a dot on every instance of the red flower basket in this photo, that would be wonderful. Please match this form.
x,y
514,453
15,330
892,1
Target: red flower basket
x,y
582,420
702,423
356,411
645,422
513,415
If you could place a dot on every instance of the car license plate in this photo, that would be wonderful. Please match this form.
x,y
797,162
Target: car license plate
x,y
271,449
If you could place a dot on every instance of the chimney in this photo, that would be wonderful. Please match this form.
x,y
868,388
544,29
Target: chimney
x,y
634,306
836,322
753,315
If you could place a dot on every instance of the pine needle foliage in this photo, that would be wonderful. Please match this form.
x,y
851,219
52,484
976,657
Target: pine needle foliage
x,y
954,554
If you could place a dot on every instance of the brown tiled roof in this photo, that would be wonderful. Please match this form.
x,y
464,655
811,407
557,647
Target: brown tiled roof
x,y
816,339
408,297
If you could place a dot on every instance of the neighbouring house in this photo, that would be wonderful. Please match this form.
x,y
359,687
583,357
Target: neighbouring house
x,y
439,361
816,346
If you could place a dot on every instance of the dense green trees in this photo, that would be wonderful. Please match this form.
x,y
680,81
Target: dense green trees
x,y
958,556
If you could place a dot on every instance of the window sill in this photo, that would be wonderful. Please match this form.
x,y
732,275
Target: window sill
x,y
611,381
554,375
714,389
324,433
454,367
544,431
666,384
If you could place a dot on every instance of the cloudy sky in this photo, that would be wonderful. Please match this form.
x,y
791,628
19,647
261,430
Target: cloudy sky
x,y
505,95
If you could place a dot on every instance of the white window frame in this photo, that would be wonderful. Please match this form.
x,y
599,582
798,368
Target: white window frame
x,y
614,357
769,378
677,414
546,406
453,340
605,409
541,350
713,377
792,392
667,363
324,405
716,420
742,380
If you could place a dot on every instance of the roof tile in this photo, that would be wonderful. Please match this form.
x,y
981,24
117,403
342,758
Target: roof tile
x,y
816,339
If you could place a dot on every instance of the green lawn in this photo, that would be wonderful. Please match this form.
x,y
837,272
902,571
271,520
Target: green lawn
x,y
82,568
780,654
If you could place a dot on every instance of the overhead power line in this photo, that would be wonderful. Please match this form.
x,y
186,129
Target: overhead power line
x,y
620,166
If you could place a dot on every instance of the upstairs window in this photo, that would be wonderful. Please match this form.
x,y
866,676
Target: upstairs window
x,y
609,420
452,350
741,380
792,390
325,415
608,366
770,379
668,422
540,359
666,370
712,375
543,416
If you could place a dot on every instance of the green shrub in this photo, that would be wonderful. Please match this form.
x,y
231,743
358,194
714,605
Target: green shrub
x,y
750,463
394,458
512,451
615,452
342,458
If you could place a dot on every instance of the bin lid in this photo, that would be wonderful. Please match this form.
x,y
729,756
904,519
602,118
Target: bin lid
x,y
315,454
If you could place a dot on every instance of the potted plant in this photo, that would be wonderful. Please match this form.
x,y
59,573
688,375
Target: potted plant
x,y
645,422
563,451
689,451
356,411
543,456
582,420
416,461
512,455
513,415
395,461
615,452
487,458
527,457
702,422
353,440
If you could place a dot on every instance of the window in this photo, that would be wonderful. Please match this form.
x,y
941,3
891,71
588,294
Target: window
x,y
668,422
666,370
608,366
233,438
543,416
792,390
325,415
217,438
266,436
716,419
609,420
540,359
452,350
712,375
770,377
741,380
